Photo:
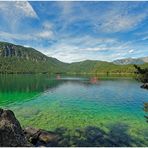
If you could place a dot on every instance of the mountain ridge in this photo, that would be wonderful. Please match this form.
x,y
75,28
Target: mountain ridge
x,y
126,61
16,58
9,52
20,59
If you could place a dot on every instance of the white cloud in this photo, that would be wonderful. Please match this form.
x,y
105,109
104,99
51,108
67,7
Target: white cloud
x,y
47,25
66,7
118,23
131,51
142,35
47,31
45,34
75,49
75,55
145,38
9,36
17,9
13,12
118,17
36,36
26,8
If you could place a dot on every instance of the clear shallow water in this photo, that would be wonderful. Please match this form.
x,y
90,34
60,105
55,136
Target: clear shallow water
x,y
45,102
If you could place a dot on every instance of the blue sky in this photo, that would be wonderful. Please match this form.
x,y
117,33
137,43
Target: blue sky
x,y
76,31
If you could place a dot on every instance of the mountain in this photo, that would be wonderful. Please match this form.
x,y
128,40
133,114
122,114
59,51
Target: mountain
x,y
131,61
89,66
99,67
145,59
19,59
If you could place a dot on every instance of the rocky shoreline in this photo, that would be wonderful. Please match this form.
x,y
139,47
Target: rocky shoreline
x,y
12,134
145,86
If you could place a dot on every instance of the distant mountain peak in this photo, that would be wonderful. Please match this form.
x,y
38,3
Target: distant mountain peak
x,y
131,61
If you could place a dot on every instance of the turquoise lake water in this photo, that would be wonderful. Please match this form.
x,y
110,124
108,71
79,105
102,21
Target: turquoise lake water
x,y
76,103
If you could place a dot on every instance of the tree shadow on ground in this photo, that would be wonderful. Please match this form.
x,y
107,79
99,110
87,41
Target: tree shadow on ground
x,y
92,136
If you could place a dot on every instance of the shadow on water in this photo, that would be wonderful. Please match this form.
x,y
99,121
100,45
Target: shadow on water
x,y
92,136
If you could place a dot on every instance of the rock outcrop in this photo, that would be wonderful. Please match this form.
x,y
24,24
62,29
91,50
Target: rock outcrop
x,y
145,85
11,133
8,50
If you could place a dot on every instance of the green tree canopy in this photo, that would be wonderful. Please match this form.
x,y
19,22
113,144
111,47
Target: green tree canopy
x,y
142,74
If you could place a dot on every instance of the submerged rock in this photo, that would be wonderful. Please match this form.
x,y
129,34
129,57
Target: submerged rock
x,y
145,85
31,134
39,137
11,133
48,137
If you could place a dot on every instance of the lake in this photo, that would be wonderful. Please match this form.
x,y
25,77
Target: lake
x,y
114,105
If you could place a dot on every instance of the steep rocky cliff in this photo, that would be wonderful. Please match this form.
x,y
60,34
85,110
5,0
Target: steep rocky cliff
x,y
19,59
11,50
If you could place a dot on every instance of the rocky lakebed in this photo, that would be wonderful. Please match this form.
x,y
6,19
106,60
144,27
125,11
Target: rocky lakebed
x,y
13,135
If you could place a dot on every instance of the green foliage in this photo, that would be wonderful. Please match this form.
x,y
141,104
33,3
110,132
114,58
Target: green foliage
x,y
101,67
142,73
15,65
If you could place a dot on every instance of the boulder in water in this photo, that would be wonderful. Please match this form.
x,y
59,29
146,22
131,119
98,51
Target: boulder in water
x,y
145,85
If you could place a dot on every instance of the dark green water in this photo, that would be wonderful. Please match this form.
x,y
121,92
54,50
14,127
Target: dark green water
x,y
75,102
